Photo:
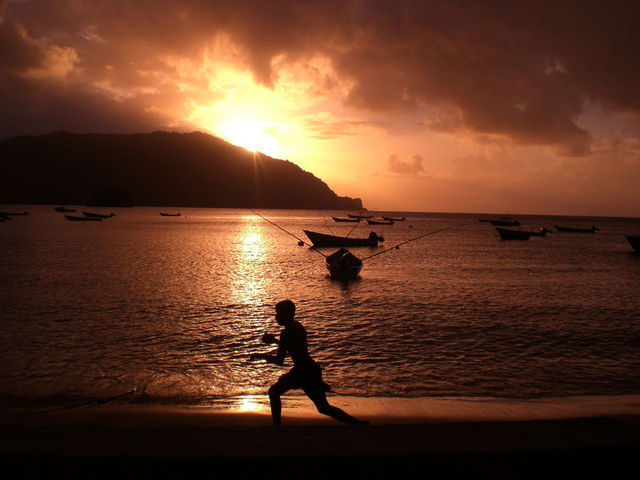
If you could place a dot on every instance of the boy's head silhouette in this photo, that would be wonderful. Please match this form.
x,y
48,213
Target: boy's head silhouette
x,y
285,311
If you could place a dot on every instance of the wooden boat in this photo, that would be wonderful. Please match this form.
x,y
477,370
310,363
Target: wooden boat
x,y
169,214
77,218
343,265
324,240
14,214
359,216
501,221
505,222
98,215
634,240
508,234
64,209
539,233
352,220
392,219
379,222
576,230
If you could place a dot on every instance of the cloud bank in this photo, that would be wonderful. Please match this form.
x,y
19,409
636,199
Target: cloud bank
x,y
524,72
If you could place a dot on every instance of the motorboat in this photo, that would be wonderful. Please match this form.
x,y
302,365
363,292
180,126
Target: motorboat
x,y
508,234
576,229
325,240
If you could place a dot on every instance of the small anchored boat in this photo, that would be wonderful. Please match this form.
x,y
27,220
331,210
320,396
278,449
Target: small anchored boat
x,y
325,240
508,234
14,214
352,220
343,265
394,219
98,215
64,209
379,222
576,229
634,241
505,222
78,218
162,214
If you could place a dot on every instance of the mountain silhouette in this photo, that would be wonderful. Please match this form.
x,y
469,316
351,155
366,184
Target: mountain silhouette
x,y
155,169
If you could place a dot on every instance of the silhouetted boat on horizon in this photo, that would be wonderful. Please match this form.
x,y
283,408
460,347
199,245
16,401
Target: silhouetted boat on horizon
x,y
634,240
508,234
542,232
14,214
352,220
98,215
576,229
359,216
379,222
78,218
504,222
343,265
392,219
162,214
325,240
64,209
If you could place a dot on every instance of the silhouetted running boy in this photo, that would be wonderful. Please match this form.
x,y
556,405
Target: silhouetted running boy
x,y
305,374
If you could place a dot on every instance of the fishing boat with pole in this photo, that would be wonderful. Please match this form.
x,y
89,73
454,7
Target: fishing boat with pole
x,y
634,241
325,240
560,228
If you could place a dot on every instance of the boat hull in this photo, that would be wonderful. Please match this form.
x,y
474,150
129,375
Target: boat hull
x,y
343,265
575,230
505,223
324,240
75,218
378,222
350,220
507,234
634,241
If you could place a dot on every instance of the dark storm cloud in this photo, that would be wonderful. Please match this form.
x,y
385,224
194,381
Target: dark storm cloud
x,y
520,71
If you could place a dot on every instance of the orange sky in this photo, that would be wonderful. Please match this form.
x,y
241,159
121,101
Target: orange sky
x,y
410,105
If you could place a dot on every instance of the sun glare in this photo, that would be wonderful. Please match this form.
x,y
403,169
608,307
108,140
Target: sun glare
x,y
252,136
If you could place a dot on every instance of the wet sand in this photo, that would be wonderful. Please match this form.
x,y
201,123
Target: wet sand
x,y
198,442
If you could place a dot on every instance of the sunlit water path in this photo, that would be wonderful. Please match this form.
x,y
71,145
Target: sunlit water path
x,y
171,308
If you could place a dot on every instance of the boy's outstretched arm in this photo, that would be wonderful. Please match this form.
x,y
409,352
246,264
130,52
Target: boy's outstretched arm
x,y
270,338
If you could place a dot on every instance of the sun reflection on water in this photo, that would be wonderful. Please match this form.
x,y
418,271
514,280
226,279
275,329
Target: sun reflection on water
x,y
250,403
248,287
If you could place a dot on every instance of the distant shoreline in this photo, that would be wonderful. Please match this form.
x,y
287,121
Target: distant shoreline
x,y
406,213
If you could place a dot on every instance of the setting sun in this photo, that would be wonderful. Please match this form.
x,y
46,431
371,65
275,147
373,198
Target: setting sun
x,y
252,136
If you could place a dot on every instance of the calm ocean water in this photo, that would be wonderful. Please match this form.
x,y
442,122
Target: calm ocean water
x,y
171,307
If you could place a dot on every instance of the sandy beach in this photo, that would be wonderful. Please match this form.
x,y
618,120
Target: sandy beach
x,y
171,442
